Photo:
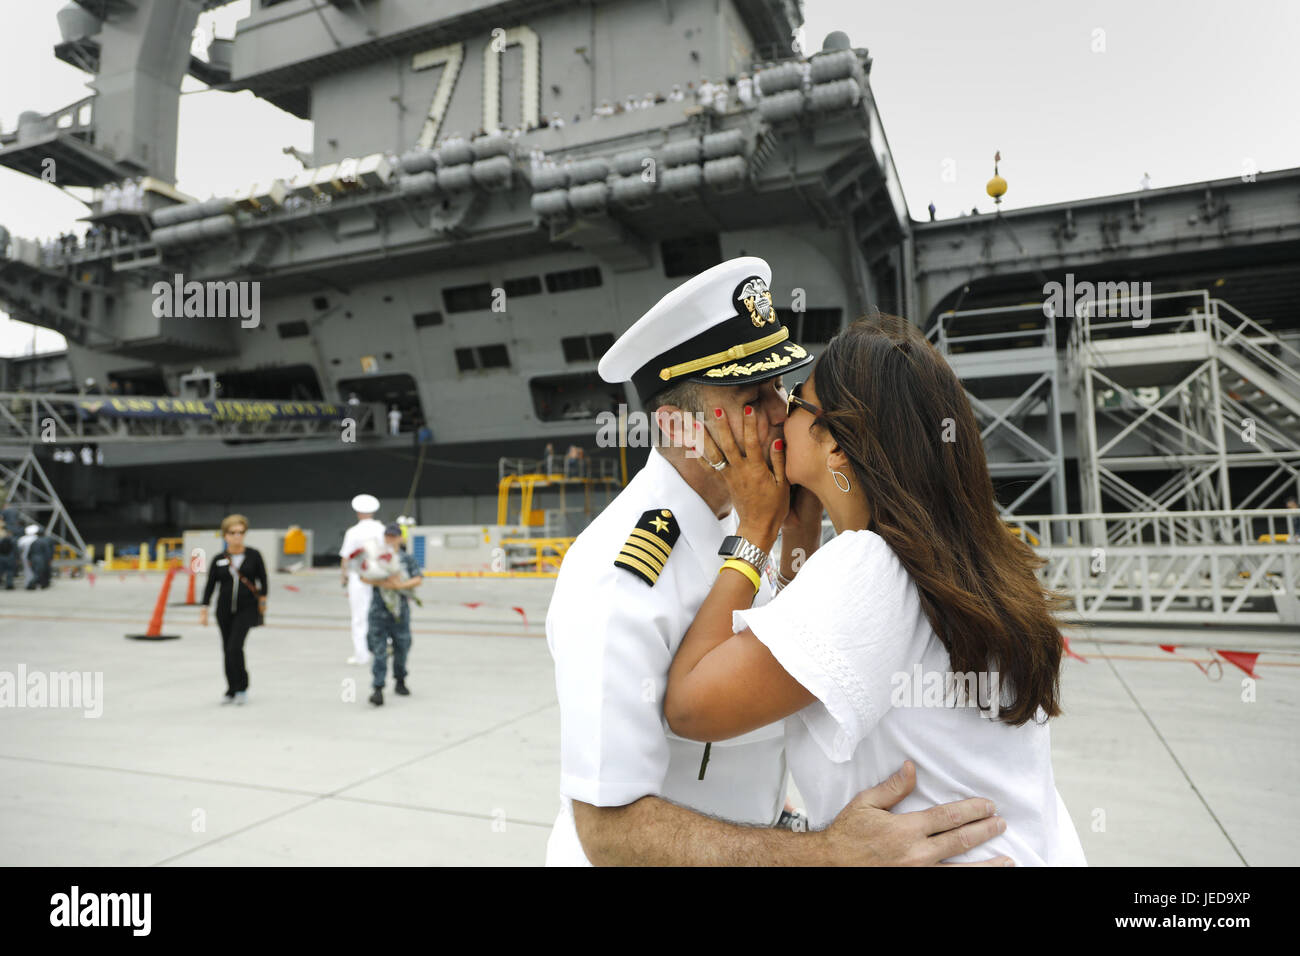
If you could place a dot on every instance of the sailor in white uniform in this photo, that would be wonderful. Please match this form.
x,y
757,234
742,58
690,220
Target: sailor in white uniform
x,y
631,583
366,507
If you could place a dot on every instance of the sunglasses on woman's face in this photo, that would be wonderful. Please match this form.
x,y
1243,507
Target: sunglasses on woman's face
x,y
793,401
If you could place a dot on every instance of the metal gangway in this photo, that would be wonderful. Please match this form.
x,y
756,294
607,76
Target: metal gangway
x,y
49,418
79,423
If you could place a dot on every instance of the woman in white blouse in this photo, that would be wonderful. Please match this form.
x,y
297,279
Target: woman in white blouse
x,y
921,630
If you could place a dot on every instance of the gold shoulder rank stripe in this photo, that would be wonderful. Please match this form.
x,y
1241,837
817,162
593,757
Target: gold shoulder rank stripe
x,y
655,544
646,551
650,556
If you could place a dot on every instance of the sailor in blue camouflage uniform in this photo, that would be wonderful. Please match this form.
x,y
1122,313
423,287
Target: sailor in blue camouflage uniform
x,y
390,618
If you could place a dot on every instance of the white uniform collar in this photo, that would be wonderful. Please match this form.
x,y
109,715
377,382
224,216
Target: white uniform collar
x,y
700,526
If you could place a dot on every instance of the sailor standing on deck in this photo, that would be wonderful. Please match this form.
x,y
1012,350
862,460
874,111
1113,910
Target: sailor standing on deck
x,y
24,555
366,528
632,792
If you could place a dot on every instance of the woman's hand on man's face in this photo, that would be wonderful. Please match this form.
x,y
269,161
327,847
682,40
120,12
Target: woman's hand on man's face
x,y
760,495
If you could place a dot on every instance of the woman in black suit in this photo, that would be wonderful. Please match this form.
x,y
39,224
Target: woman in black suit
x,y
240,575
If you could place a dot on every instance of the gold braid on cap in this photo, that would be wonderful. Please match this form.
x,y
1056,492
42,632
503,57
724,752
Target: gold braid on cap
x,y
735,352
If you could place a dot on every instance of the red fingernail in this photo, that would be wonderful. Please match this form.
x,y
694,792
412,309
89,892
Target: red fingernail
x,y
717,413
780,445
748,410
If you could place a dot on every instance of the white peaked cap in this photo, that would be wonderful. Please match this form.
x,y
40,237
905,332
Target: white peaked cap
x,y
719,328
365,504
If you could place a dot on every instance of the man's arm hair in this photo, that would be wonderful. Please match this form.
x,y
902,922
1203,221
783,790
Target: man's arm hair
x,y
654,832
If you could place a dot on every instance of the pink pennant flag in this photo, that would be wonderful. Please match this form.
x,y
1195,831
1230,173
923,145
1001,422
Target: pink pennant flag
x,y
290,587
472,604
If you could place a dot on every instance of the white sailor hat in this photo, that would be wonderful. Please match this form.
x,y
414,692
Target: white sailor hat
x,y
719,328
365,504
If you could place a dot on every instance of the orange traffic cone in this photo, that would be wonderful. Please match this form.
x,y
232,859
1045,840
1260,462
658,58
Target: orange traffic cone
x,y
154,632
189,594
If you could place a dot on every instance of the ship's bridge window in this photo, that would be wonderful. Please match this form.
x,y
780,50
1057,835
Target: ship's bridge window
x,y
484,356
467,298
571,279
690,255
524,285
585,348
575,397
425,319
815,326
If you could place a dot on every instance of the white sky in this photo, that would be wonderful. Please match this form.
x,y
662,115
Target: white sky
x,y
1183,90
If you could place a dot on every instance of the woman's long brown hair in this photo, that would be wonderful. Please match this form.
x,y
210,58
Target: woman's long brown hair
x,y
899,413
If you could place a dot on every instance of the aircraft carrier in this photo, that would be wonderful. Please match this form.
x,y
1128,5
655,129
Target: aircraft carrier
x,y
495,191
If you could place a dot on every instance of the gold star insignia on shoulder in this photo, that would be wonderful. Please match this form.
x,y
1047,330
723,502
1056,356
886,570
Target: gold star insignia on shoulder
x,y
647,548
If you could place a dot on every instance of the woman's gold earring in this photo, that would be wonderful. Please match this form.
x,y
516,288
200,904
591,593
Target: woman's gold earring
x,y
839,476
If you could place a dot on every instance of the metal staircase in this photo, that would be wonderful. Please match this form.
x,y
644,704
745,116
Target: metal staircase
x,y
1201,396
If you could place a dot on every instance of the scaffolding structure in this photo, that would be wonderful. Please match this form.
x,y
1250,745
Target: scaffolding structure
x,y
1013,384
1187,418
1195,395
548,532
25,488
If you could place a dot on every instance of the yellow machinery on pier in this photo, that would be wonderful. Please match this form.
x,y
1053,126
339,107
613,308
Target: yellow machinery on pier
x,y
547,533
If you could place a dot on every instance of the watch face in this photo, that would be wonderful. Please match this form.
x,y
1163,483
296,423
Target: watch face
x,y
730,544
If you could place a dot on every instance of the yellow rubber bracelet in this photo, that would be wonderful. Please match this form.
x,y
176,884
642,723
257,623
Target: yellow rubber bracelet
x,y
746,569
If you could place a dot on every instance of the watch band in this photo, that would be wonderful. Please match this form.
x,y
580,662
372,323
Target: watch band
x,y
734,546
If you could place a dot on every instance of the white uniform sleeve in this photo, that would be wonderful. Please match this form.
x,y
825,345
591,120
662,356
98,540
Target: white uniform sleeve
x,y
348,546
845,626
610,635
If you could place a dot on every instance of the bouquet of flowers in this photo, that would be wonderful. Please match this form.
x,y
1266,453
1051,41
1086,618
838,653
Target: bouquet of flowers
x,y
375,563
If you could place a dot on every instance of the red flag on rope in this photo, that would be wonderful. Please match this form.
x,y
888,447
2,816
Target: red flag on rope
x,y
472,604
1071,653
521,614
1169,647
1242,659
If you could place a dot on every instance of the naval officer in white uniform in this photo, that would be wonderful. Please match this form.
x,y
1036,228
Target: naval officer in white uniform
x,y
359,593
631,790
